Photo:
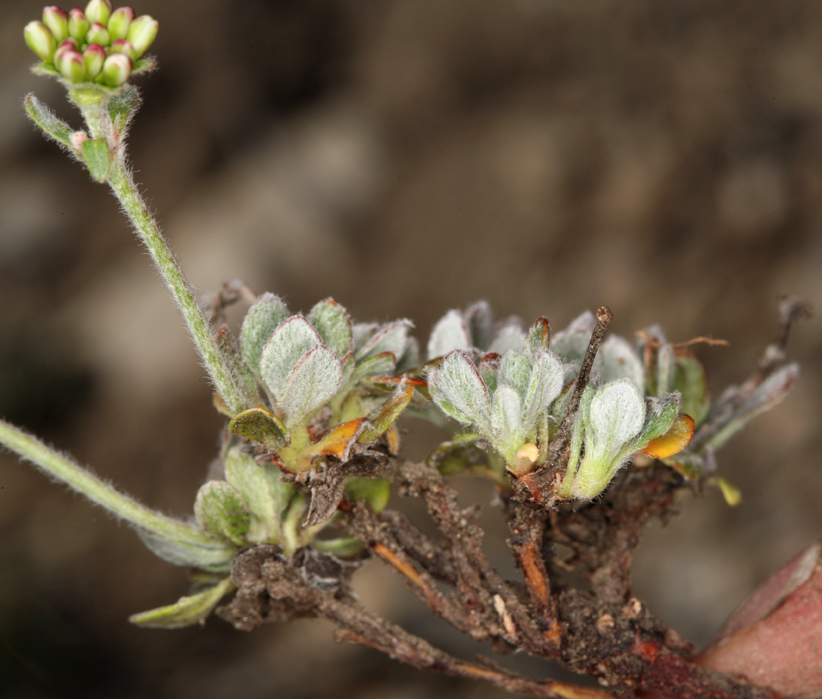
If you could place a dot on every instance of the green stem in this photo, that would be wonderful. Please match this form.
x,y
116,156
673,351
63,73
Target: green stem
x,y
76,477
216,362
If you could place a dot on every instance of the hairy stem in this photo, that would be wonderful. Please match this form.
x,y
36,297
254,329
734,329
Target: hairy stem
x,y
217,364
76,477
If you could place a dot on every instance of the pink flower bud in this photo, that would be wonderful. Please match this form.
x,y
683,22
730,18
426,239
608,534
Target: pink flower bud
x,y
40,40
98,34
98,11
123,46
57,22
117,69
78,25
94,57
141,33
119,23
71,65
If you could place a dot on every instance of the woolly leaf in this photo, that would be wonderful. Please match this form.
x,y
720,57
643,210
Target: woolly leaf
x,y
480,324
690,380
538,337
333,324
186,611
381,365
450,333
506,422
392,337
458,390
289,343
571,347
489,370
659,416
386,414
544,386
311,384
214,557
265,492
616,359
222,511
259,325
97,158
261,426
514,371
508,337
614,419
50,124
769,393
410,359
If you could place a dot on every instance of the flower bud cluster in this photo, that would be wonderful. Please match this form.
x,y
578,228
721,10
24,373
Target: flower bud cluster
x,y
98,45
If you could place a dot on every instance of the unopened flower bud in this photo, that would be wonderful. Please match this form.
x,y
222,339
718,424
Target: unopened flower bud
x,y
94,57
119,23
71,65
123,46
141,33
78,24
68,45
98,34
57,22
40,40
116,69
98,11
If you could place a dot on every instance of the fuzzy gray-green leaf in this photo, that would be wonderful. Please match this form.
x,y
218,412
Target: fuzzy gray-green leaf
x,y
382,365
215,557
616,359
538,337
456,387
43,117
392,337
615,417
222,510
480,324
450,333
261,426
289,343
514,371
186,611
660,414
311,384
544,386
263,488
262,319
97,158
506,422
333,324
509,337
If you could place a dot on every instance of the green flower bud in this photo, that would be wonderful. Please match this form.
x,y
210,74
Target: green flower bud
x,y
123,46
98,11
94,57
98,34
71,65
57,22
78,25
142,32
116,69
40,40
119,23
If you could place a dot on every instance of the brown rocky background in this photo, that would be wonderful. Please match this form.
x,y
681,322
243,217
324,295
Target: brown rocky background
x,y
405,157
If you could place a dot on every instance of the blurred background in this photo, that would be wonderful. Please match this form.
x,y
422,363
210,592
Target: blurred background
x,y
404,157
